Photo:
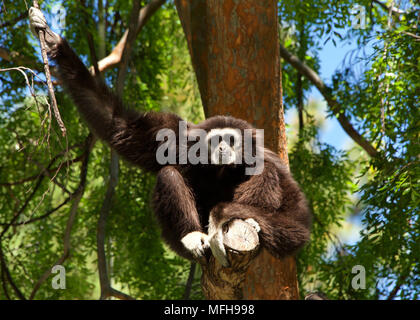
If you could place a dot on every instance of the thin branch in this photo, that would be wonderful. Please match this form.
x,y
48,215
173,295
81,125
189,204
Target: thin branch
x,y
106,289
91,44
392,9
18,58
12,22
43,44
43,172
3,282
190,280
101,228
9,278
45,215
28,199
115,56
335,106
411,35
397,287
72,216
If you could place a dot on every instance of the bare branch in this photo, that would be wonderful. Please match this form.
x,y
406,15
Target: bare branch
x,y
19,212
416,37
78,194
115,56
397,287
45,171
45,215
190,280
392,9
12,22
43,44
17,58
335,106
9,276
106,289
3,282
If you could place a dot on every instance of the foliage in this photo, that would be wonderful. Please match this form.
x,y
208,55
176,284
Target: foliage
x,y
378,85
138,261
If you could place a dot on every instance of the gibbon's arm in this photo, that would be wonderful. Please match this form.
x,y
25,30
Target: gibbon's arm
x,y
131,134
175,209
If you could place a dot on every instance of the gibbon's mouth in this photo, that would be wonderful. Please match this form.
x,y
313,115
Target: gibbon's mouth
x,y
223,158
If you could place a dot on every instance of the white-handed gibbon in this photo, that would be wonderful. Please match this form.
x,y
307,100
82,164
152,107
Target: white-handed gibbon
x,y
191,201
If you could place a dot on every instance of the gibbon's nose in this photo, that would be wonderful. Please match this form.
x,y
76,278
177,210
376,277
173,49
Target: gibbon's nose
x,y
222,146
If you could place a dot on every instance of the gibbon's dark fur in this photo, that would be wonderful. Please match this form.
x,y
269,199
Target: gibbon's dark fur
x,y
186,194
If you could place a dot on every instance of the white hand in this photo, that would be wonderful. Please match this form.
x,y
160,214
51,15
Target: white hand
x,y
196,242
37,20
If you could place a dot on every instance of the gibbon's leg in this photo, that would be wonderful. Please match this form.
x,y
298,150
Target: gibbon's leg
x,y
174,206
279,234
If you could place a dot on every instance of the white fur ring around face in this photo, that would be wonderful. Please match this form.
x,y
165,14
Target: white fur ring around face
x,y
196,242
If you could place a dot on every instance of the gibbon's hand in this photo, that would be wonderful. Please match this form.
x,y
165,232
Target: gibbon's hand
x,y
196,242
38,22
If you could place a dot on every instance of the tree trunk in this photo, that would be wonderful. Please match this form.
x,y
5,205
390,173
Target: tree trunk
x,y
235,53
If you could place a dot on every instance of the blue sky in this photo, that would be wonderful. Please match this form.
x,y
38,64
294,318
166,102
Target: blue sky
x,y
331,59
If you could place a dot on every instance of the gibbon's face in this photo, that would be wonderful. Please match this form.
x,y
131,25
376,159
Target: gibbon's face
x,y
224,146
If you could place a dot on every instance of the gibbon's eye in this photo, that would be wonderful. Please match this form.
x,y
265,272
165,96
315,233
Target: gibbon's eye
x,y
216,139
231,141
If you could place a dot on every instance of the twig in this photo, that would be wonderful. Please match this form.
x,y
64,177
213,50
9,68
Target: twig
x,y
334,105
78,194
397,287
115,56
9,276
14,21
190,280
45,215
48,77
3,283
411,35
106,288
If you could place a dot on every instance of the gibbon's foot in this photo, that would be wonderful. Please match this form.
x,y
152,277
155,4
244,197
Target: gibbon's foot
x,y
254,224
38,22
218,248
196,242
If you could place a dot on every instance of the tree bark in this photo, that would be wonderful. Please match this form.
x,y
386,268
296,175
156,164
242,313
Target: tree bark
x,y
235,53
